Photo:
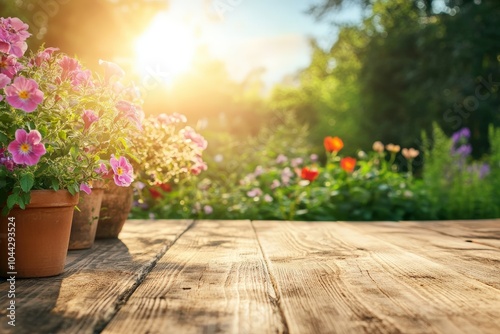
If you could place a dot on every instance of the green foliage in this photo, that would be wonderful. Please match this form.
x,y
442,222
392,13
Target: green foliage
x,y
265,182
74,147
457,187
403,68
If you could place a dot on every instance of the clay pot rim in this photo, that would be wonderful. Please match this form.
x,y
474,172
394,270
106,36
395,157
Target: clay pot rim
x,y
51,199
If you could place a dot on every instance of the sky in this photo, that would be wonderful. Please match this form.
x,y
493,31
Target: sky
x,y
245,34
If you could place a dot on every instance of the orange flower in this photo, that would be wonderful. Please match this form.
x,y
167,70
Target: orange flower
x,y
393,148
333,144
410,153
309,174
378,146
348,164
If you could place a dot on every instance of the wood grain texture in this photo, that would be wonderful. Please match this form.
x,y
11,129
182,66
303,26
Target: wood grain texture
x,y
474,260
485,232
95,282
336,278
213,280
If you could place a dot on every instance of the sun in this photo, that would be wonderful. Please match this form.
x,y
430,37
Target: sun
x,y
166,49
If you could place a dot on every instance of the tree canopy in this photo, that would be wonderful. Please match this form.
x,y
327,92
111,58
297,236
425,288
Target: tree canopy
x,y
407,65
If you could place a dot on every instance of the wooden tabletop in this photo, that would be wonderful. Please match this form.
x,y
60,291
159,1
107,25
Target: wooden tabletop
x,y
272,277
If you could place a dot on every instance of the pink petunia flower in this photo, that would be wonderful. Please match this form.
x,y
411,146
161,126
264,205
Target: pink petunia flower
x,y
9,65
6,160
44,56
24,94
111,70
131,111
13,35
68,66
103,170
4,81
123,171
196,138
89,117
199,166
80,77
85,188
27,148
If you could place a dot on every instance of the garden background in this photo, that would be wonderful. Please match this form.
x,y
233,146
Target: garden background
x,y
420,74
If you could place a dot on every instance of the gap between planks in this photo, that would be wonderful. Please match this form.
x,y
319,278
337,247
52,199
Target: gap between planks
x,y
276,298
122,299
214,279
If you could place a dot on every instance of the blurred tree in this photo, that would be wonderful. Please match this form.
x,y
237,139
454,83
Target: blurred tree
x,y
421,61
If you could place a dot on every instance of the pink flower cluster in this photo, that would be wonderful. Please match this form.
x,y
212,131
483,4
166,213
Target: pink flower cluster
x,y
27,148
123,172
199,144
132,112
172,119
13,35
6,160
22,93
72,71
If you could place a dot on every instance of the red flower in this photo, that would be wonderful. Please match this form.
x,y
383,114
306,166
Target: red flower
x,y
158,190
155,193
309,174
166,187
333,144
348,164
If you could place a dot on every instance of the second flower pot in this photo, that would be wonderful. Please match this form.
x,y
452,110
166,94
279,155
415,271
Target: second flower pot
x,y
84,227
115,208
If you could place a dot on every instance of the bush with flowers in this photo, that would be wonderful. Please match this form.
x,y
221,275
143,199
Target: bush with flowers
x,y
60,125
168,152
458,187
375,185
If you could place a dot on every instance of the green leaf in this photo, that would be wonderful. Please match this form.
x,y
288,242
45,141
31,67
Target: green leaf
x,y
55,184
62,135
5,117
12,200
5,211
26,197
73,151
3,138
27,181
73,189
43,130
21,203
124,143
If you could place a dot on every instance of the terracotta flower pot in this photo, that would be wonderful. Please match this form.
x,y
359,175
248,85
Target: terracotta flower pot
x,y
85,221
41,235
115,207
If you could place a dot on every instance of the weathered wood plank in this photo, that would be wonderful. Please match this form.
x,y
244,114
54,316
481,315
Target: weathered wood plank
x,y
212,280
477,261
335,278
486,232
94,283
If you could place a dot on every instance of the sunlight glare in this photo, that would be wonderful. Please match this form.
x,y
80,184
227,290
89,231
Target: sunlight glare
x,y
166,49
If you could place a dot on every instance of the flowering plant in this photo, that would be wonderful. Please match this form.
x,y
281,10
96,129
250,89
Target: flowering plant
x,y
168,151
59,124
